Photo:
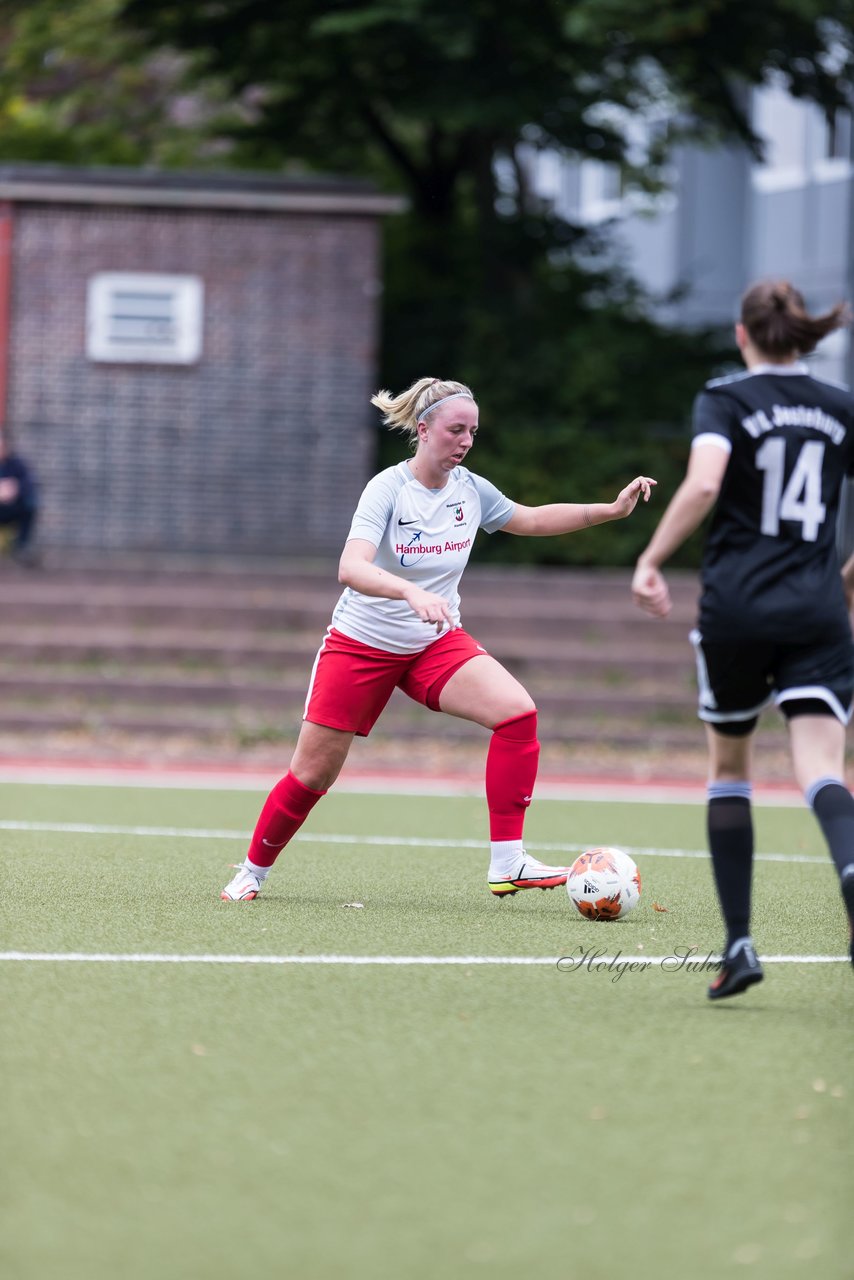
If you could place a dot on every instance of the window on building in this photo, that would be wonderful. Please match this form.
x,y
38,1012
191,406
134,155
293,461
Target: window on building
x,y
600,191
838,136
144,318
782,124
802,144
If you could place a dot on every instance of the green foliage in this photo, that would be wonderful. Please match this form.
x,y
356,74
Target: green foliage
x,y
422,85
78,88
579,389
444,101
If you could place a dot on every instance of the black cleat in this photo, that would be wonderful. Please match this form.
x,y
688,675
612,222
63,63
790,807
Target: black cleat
x,y
740,968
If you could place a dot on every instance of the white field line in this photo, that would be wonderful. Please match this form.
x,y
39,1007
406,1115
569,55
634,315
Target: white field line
x,y
401,842
595,961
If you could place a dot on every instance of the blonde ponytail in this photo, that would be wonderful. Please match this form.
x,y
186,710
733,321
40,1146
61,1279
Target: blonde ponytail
x,y
403,412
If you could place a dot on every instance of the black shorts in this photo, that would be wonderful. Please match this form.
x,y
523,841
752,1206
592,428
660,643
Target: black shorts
x,y
738,679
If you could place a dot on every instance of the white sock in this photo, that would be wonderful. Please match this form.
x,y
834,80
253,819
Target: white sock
x,y
260,872
505,856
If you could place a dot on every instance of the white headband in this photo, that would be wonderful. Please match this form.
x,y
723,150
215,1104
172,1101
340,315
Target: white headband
x,y
435,405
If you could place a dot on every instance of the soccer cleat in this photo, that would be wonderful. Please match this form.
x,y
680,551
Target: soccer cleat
x,y
740,968
530,874
243,888
847,887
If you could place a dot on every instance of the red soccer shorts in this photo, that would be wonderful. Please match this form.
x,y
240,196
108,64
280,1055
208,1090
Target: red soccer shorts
x,y
351,682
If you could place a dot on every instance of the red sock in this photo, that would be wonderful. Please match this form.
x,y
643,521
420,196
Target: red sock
x,y
511,771
285,810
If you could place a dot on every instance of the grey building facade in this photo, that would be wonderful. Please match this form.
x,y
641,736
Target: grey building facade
x,y
729,219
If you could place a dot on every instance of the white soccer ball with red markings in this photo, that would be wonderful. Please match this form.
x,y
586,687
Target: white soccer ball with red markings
x,y
604,884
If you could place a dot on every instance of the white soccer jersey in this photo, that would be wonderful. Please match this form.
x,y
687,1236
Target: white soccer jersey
x,y
424,535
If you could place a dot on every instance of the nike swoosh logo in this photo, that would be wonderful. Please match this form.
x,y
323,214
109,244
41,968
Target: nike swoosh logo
x,y
272,844
407,522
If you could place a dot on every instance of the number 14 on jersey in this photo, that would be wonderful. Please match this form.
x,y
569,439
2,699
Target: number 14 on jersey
x,y
800,498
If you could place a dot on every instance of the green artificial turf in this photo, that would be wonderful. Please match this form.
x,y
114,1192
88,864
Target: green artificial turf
x,y
317,1119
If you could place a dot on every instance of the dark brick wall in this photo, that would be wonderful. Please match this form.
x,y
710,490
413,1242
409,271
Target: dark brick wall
x,y
264,445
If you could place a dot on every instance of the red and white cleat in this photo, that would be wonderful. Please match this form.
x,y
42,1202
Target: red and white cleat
x,y
530,874
243,888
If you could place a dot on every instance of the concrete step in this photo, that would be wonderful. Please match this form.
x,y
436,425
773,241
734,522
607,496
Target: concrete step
x,y
581,620
160,724
235,691
541,593
220,652
24,647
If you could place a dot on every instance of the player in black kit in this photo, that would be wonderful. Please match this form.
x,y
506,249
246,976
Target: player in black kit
x,y
771,451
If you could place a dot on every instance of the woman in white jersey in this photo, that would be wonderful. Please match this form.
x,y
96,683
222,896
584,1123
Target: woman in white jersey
x,y
772,449
397,624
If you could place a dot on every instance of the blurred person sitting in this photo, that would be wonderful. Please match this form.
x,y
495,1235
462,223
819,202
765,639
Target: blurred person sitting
x,y
18,504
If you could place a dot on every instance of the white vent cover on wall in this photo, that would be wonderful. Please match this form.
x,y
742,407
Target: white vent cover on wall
x,y
140,317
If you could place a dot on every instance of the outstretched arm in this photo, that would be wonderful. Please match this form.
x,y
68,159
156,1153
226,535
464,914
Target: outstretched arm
x,y
569,517
688,508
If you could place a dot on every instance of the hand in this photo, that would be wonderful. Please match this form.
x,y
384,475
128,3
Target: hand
x,y
650,591
429,607
627,499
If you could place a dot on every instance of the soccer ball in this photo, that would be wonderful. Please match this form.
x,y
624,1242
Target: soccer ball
x,y
604,884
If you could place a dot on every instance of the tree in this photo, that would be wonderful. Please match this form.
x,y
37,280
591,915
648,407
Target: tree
x,y
433,92
440,100
444,101
76,87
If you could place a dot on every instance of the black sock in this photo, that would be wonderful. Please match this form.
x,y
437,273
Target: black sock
x,y
729,823
833,805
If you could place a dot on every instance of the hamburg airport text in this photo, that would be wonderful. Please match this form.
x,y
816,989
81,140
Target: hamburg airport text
x,y
431,549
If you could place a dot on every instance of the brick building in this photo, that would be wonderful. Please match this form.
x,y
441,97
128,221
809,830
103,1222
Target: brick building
x,y
187,359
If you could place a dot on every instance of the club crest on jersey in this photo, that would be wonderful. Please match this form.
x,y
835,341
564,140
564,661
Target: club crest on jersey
x,y
459,512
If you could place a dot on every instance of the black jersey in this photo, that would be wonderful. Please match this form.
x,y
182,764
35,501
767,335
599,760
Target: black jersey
x,y
770,569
